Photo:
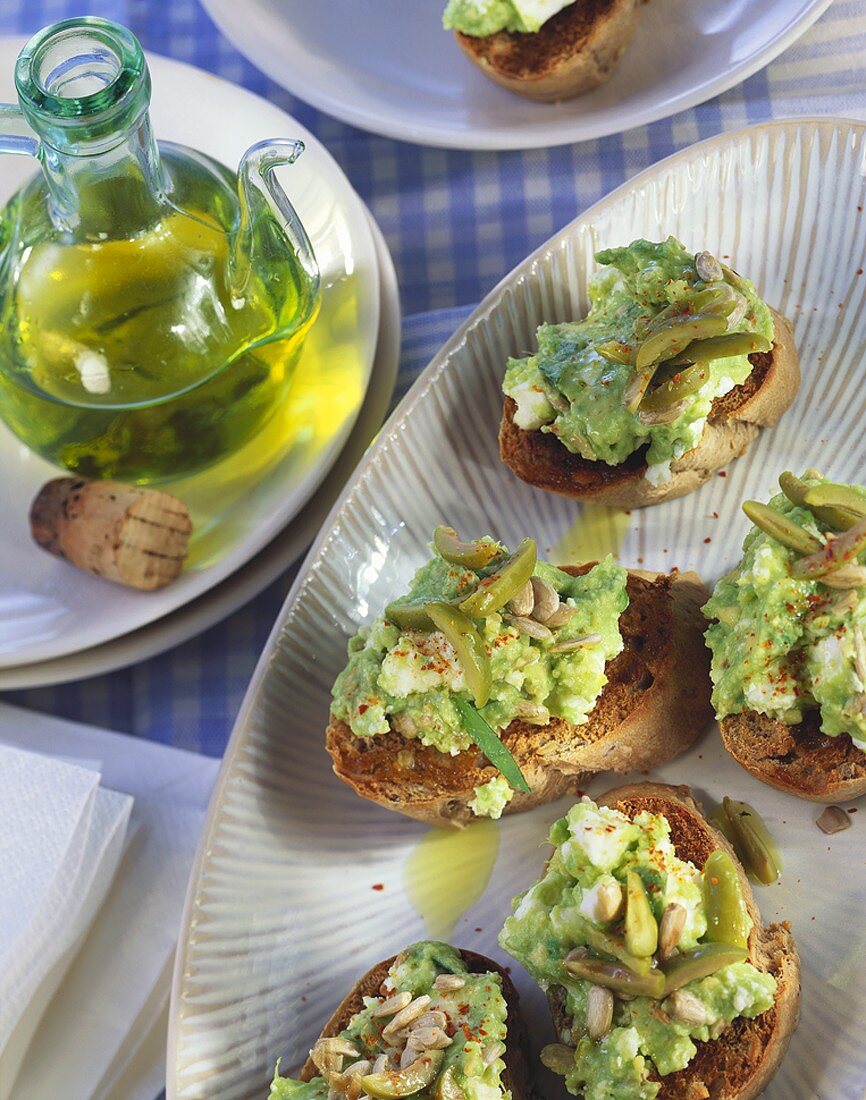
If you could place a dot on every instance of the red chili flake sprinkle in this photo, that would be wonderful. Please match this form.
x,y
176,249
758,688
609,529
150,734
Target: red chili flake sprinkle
x,y
708,539
852,810
363,708
859,208
715,515
859,270
723,473
378,886
479,929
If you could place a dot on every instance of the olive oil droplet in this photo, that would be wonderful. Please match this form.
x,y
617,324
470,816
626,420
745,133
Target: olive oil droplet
x,y
447,872
597,532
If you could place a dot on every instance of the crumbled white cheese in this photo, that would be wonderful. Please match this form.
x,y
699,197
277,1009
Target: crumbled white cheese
x,y
93,370
533,408
659,473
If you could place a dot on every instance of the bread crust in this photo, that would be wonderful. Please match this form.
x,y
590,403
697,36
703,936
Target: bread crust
x,y
799,759
735,420
517,1076
574,51
742,1061
655,704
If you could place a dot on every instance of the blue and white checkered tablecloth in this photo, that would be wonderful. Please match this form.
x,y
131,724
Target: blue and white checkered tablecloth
x,y
455,223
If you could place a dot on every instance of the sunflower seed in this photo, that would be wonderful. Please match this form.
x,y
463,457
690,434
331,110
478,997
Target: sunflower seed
x,y
334,1044
428,1038
546,599
609,901
671,929
687,1008
599,1011
661,416
535,713
491,1052
406,1015
523,603
561,616
409,1056
846,576
529,626
576,643
708,267
326,1061
382,1064
832,820
446,983
364,1066
392,1005
435,1018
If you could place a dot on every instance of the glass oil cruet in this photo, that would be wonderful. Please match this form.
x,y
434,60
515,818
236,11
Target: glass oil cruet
x,y
153,304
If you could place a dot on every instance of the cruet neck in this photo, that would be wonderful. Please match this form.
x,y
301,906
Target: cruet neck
x,y
84,90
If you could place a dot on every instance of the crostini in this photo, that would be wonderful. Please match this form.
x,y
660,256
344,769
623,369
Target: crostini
x,y
433,1022
644,933
670,376
788,639
548,50
499,682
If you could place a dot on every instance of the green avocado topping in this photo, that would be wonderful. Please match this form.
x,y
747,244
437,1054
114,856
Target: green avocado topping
x,y
570,910
473,1017
479,18
416,680
588,383
784,642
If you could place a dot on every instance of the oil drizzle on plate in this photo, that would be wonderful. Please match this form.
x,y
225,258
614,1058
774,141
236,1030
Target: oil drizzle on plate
x,y
447,872
597,532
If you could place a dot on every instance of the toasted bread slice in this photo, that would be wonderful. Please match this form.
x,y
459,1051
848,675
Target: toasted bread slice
x,y
573,52
517,1077
540,459
654,705
740,1063
797,759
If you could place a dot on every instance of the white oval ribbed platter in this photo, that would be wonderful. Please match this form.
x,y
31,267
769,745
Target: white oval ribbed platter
x,y
299,885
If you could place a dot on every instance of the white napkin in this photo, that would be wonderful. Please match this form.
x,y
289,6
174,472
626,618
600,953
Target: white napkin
x,y
119,982
57,905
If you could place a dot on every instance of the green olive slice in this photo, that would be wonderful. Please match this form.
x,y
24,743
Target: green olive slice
x,y
682,385
606,942
700,962
752,841
781,528
409,616
405,1082
495,591
728,918
794,488
726,346
447,1087
838,506
468,645
470,555
618,977
641,929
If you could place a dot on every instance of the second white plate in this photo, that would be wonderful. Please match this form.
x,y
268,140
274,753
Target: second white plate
x,y
389,67
48,609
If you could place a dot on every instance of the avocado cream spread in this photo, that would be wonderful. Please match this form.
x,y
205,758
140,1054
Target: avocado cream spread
x,y
667,333
790,629
479,18
540,658
448,1040
617,912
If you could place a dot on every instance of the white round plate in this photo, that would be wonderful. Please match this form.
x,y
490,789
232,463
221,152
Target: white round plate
x,y
390,67
281,914
48,609
247,582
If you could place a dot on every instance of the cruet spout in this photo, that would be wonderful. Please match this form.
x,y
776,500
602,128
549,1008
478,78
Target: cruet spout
x,y
269,224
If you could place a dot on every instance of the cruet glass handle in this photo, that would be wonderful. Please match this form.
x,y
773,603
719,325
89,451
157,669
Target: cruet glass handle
x,y
16,136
